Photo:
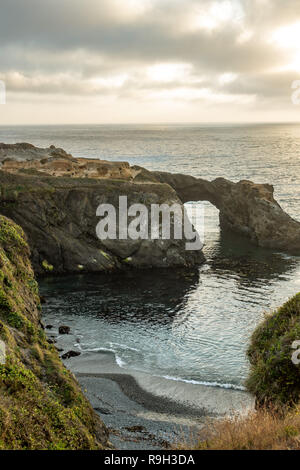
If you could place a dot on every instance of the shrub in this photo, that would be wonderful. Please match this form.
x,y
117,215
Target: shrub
x,y
274,378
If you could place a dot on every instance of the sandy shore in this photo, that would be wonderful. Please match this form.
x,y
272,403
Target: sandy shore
x,y
146,412
131,424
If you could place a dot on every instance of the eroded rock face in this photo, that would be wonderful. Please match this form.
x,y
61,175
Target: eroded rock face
x,y
41,404
59,217
68,207
26,158
245,208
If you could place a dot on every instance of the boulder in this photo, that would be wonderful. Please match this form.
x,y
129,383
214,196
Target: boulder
x,y
64,330
70,354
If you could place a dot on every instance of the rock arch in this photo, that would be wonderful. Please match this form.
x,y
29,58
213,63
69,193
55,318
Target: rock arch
x,y
246,208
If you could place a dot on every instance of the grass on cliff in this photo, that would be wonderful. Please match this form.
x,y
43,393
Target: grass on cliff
x,y
274,380
261,430
41,404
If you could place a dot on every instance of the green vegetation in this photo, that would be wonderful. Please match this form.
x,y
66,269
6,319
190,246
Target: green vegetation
x,y
263,430
274,378
41,404
106,255
47,267
11,235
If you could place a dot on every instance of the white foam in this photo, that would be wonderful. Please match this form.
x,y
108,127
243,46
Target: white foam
x,y
99,350
207,384
286,256
120,362
124,346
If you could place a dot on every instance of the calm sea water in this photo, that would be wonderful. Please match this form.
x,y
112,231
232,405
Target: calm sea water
x,y
189,326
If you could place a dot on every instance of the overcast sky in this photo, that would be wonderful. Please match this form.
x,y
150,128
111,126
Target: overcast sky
x,y
112,61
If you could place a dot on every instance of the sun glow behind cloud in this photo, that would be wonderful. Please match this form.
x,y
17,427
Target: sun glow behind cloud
x,y
227,77
213,17
288,37
116,81
144,60
206,96
168,72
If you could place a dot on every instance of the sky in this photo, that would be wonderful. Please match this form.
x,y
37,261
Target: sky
x,y
145,61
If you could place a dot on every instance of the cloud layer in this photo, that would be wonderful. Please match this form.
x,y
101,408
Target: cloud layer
x,y
159,59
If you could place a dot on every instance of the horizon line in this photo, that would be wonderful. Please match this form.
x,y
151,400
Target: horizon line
x,y
151,123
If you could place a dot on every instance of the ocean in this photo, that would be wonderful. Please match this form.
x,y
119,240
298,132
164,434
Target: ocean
x,y
185,327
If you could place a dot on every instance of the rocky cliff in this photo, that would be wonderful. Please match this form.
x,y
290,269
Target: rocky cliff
x,y
54,197
246,208
58,214
54,161
41,404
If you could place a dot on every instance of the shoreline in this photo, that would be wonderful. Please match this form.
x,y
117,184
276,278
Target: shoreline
x,y
157,404
146,412
135,424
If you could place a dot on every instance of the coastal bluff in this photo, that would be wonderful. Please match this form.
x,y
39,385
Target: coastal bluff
x,y
245,208
53,196
41,404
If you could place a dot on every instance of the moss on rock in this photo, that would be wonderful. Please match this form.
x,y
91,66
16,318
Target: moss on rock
x,y
274,378
47,267
41,404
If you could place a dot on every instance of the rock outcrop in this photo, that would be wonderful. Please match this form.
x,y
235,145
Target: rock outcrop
x,y
54,197
56,162
246,208
59,217
41,404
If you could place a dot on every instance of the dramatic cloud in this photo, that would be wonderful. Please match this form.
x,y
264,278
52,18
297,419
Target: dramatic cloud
x,y
145,60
